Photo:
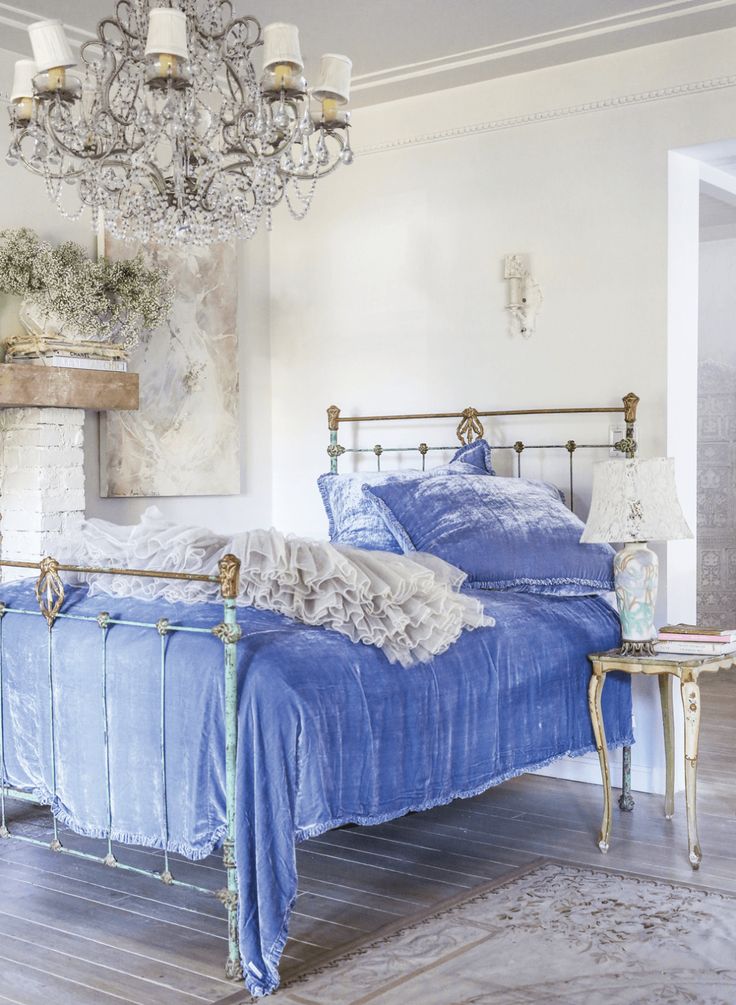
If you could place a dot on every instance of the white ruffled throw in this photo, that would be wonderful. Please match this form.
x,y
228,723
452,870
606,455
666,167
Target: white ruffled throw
x,y
411,608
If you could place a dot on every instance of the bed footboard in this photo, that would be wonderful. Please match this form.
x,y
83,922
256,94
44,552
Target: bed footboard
x,y
50,596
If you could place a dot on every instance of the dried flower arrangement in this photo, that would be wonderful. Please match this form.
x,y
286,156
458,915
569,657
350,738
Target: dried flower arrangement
x,y
79,297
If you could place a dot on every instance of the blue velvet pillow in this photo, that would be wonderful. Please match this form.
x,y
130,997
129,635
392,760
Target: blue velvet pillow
x,y
353,518
505,533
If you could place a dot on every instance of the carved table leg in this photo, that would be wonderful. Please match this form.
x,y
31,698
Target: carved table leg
x,y
626,800
668,725
690,693
596,717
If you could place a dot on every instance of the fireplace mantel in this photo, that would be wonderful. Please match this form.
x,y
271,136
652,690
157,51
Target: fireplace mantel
x,y
22,385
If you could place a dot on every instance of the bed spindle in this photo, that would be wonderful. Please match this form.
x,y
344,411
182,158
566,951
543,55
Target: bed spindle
x,y
103,620
162,627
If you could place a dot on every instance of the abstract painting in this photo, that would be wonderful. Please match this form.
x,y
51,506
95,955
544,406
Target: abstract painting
x,y
184,439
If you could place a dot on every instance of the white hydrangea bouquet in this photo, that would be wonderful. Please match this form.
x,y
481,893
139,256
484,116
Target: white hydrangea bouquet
x,y
68,296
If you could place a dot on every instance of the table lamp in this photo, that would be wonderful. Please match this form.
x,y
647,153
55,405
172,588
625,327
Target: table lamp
x,y
635,501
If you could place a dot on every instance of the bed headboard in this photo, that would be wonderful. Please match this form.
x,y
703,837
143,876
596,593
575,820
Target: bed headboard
x,y
470,427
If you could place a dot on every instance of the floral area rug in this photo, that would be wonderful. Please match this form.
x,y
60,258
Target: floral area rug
x,y
555,935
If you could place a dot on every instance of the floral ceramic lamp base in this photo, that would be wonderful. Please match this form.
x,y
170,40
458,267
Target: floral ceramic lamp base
x,y
636,576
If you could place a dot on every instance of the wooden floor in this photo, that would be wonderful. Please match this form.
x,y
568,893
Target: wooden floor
x,y
74,933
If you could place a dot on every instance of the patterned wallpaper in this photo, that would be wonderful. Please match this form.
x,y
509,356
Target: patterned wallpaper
x,y
717,493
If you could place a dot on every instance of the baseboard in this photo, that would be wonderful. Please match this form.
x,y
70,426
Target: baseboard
x,y
644,778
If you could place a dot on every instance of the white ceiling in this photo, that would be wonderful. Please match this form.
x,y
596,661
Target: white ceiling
x,y
402,47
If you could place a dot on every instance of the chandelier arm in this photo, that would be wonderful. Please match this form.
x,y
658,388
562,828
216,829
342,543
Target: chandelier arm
x,y
218,6
231,75
60,143
246,21
157,176
288,142
38,171
107,104
118,20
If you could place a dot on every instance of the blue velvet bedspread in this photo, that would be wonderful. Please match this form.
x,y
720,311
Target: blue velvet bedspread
x,y
329,731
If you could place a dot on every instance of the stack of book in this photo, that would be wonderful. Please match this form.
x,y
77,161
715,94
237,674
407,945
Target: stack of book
x,y
51,350
696,640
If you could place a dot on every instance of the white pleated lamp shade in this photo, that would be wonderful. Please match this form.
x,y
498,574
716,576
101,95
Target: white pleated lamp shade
x,y
281,46
50,46
167,33
25,71
334,79
635,500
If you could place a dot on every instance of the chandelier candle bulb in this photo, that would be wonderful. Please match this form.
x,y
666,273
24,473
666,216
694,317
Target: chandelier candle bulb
x,y
329,109
283,76
334,79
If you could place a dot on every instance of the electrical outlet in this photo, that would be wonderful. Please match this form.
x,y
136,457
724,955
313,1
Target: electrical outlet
x,y
616,432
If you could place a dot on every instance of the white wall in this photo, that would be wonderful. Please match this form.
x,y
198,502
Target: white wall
x,y
389,296
23,202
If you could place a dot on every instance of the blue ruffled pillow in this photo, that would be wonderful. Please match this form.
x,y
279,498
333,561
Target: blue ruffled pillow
x,y
505,533
353,518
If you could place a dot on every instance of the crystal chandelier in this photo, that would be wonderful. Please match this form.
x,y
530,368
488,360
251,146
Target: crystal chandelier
x,y
167,128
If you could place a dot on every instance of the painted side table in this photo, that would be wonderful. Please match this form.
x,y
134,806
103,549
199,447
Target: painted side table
x,y
687,669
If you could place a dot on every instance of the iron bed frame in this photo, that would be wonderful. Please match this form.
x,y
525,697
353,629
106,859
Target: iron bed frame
x,y
50,596
469,428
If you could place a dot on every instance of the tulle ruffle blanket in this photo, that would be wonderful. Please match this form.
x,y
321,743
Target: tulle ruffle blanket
x,y
411,608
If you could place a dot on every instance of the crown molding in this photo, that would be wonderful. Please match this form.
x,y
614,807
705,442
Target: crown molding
x,y
644,17
18,18
550,114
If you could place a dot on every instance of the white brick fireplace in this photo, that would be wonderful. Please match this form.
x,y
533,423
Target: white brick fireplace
x,y
42,453
41,481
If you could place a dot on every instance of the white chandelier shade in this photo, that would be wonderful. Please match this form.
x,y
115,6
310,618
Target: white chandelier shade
x,y
167,32
334,79
168,129
281,46
50,46
25,71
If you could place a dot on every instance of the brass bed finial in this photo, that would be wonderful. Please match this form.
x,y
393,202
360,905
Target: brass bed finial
x,y
49,589
333,417
469,426
229,567
631,401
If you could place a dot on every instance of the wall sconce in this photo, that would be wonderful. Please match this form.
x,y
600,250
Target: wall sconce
x,y
524,296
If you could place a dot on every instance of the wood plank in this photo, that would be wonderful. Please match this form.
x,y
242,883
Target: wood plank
x,y
30,983
195,962
98,878
74,968
121,900
158,977
405,844
22,385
